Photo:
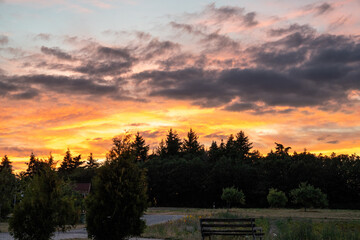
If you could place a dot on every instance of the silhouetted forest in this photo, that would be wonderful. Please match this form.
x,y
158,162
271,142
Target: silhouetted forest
x,y
182,173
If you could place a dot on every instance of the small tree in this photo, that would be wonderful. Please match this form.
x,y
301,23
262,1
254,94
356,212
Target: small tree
x,y
139,148
232,196
191,144
118,198
46,205
7,186
276,198
70,163
308,196
91,162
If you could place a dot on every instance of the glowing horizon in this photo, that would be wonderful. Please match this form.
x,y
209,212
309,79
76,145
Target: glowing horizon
x,y
74,74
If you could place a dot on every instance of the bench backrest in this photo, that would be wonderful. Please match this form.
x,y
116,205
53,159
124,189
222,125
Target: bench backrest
x,y
238,226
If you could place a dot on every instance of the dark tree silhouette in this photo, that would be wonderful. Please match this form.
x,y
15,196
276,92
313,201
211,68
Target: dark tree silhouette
x,y
172,144
118,199
191,146
139,148
92,163
70,163
37,166
7,186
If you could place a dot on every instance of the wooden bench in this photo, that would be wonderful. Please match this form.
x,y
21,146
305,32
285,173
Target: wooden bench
x,y
230,227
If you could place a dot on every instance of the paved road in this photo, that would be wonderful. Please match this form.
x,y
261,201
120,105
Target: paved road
x,y
81,233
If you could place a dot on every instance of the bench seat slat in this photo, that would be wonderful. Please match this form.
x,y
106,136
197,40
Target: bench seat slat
x,y
227,219
233,233
215,225
225,230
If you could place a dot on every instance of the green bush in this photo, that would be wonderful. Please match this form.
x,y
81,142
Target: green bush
x,y
308,196
46,205
118,198
233,196
276,198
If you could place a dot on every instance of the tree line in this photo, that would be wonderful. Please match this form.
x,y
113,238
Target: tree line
x,y
183,173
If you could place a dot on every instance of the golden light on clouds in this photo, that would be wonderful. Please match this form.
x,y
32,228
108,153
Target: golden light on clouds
x,y
286,73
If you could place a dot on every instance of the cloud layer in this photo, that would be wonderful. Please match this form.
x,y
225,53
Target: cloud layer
x,y
235,60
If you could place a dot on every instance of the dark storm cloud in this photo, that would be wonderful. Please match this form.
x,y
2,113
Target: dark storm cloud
x,y
279,59
256,109
56,52
63,84
190,83
210,88
102,61
6,87
298,67
4,40
341,53
299,70
28,87
28,94
238,107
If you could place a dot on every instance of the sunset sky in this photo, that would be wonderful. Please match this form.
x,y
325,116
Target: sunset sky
x,y
76,73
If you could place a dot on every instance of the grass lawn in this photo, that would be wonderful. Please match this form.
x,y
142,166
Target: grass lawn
x,y
278,224
265,212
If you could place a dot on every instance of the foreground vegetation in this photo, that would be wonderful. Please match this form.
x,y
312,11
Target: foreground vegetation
x,y
279,224
180,173
276,223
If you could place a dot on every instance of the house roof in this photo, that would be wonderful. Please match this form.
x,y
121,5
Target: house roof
x,y
83,188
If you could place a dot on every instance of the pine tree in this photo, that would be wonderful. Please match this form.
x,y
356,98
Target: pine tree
x,y
7,186
118,199
242,145
161,150
230,147
91,162
70,163
46,205
172,143
36,165
213,152
191,145
139,148
5,164
238,148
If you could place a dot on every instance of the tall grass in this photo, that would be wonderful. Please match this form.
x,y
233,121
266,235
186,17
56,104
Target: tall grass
x,y
188,228
312,230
